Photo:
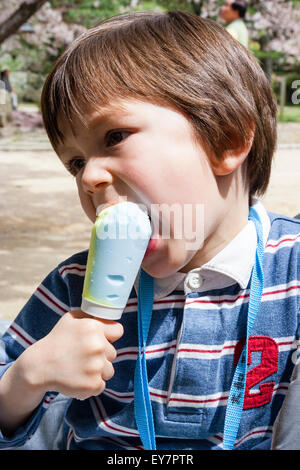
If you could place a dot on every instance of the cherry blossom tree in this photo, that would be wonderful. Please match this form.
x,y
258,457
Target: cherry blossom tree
x,y
49,30
275,25
12,19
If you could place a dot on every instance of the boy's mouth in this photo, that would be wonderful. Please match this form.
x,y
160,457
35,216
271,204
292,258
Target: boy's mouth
x,y
153,242
151,247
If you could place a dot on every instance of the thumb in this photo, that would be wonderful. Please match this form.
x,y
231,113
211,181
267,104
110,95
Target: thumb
x,y
112,330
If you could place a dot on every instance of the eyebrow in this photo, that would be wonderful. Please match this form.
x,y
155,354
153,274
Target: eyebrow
x,y
105,113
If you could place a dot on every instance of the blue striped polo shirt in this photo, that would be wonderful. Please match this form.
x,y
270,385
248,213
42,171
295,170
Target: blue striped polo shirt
x,y
196,335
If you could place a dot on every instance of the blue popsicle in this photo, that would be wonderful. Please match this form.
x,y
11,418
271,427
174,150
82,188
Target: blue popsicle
x,y
119,240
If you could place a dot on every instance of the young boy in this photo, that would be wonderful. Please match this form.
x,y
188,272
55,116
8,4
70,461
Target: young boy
x,y
163,109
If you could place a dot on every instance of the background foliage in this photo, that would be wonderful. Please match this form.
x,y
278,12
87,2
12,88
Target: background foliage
x,y
274,28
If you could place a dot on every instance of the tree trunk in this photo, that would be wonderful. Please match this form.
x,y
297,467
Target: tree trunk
x,y
197,6
266,62
19,17
268,67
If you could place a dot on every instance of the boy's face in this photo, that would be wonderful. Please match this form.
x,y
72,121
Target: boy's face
x,y
146,154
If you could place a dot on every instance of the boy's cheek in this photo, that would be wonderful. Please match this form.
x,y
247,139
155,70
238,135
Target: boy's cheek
x,y
87,205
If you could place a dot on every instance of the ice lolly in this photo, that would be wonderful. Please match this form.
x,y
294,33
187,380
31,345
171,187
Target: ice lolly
x,y
119,240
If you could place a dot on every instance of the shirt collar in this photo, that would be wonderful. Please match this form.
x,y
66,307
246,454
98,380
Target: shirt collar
x,y
231,265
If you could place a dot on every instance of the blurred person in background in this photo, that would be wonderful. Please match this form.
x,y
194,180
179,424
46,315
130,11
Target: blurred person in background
x,y
233,14
13,96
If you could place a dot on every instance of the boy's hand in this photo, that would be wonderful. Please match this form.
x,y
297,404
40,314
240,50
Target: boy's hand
x,y
75,358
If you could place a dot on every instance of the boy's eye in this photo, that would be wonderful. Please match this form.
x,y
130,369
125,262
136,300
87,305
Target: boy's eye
x,y
115,137
75,165
112,138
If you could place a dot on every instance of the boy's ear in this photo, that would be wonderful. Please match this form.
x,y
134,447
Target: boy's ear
x,y
232,159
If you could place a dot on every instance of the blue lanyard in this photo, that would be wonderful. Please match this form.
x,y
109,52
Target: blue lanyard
x,y
142,402
237,390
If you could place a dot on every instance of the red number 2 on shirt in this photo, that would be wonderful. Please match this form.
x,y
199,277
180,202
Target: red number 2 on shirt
x,y
268,366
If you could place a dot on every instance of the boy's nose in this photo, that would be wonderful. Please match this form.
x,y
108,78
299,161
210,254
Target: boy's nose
x,y
95,177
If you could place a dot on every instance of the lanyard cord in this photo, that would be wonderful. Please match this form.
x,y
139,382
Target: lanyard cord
x,y
142,402
237,390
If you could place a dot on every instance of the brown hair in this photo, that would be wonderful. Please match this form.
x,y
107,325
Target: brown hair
x,y
173,58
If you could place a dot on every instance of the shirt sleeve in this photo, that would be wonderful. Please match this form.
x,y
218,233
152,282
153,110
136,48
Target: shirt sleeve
x,y
233,32
287,424
48,303
286,429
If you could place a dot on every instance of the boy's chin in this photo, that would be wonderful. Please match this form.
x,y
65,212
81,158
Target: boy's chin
x,y
158,273
164,266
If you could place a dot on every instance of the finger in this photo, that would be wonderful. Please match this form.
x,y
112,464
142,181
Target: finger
x,y
108,371
112,330
110,352
100,388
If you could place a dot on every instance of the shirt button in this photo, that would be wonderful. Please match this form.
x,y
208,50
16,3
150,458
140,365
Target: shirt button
x,y
195,281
